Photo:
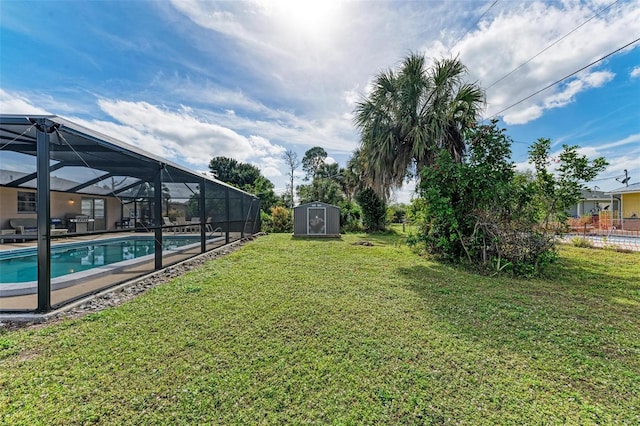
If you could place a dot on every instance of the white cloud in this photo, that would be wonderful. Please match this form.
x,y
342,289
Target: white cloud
x,y
13,103
182,136
286,83
571,89
521,31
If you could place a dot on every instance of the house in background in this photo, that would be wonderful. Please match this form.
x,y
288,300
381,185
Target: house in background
x,y
590,204
627,217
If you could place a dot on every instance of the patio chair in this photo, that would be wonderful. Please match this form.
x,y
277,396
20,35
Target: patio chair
x,y
167,222
194,225
209,226
181,223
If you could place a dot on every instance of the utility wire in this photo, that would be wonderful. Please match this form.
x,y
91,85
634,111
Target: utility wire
x,y
476,23
564,78
551,45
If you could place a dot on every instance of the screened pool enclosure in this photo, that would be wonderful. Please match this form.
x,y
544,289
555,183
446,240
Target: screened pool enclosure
x,y
81,212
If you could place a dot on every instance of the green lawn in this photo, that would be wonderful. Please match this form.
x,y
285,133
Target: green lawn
x,y
324,331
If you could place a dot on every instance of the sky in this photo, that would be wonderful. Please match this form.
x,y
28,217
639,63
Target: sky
x,y
190,80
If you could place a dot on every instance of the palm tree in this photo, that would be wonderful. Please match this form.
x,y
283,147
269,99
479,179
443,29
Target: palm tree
x,y
410,115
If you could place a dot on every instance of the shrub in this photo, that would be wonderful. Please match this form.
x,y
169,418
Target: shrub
x,y
265,221
373,208
581,242
350,217
281,220
396,213
481,211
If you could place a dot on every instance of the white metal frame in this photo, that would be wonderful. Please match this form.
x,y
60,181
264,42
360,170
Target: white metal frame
x,y
324,218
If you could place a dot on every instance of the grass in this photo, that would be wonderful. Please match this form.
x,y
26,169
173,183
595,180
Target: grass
x,y
324,331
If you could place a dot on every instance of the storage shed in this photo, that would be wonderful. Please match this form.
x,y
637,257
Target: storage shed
x,y
316,219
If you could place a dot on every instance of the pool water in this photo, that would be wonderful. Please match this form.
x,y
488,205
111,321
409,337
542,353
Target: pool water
x,y
21,266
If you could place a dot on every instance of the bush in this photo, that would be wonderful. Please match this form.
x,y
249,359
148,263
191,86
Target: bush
x,y
265,221
281,220
480,211
373,208
581,242
350,217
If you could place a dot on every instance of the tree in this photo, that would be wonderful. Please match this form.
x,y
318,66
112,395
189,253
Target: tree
x,y
234,172
324,190
410,115
313,159
373,208
326,185
480,210
292,162
263,188
246,177
557,192
328,171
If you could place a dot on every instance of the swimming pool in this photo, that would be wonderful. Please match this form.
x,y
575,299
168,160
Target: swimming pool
x,y
19,267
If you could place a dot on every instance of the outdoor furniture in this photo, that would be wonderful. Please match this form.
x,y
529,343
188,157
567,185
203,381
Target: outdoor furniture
x,y
29,225
123,223
26,225
81,223
181,223
5,234
169,223
194,225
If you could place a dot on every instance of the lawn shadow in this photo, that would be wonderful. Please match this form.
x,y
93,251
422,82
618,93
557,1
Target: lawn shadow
x,y
563,314
316,239
382,238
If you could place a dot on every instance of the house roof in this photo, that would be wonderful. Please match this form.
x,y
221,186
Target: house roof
x,y
634,187
588,194
88,162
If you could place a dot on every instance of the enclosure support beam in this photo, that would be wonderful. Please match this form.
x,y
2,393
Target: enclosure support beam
x,y
203,226
43,198
243,216
226,200
257,224
157,219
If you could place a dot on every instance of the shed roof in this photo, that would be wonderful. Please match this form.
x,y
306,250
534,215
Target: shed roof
x,y
316,203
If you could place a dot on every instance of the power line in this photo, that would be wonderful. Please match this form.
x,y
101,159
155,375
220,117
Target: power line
x,y
476,23
566,77
551,45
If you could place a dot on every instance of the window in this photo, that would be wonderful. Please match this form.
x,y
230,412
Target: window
x,y
94,208
27,202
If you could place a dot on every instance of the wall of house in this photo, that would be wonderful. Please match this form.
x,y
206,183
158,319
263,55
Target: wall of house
x,y
631,205
9,207
63,205
113,212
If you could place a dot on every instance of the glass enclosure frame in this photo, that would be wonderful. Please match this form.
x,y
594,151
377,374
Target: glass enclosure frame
x,y
91,187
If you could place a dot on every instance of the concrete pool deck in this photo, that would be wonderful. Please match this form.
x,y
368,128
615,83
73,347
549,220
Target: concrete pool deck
x,y
88,282
114,295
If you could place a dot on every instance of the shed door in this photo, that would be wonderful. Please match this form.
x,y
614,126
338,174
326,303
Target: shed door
x,y
316,217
